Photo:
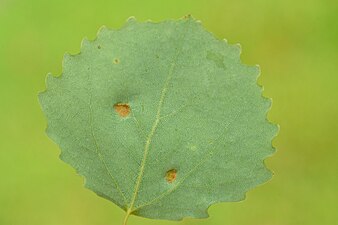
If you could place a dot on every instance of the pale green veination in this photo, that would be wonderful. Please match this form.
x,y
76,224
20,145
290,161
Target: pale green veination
x,y
195,108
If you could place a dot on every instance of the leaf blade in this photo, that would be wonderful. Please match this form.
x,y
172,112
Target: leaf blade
x,y
204,101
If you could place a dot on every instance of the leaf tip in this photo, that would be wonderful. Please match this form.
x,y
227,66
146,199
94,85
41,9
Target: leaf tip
x,y
84,42
188,16
239,48
102,29
131,19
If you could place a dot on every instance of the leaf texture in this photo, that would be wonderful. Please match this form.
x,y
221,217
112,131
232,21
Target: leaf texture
x,y
162,119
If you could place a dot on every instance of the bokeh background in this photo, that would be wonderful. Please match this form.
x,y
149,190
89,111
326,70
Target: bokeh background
x,y
296,45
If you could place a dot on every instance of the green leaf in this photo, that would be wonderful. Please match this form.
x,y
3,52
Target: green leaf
x,y
162,119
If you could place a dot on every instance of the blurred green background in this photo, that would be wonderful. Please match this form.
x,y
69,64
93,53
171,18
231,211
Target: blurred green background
x,y
296,45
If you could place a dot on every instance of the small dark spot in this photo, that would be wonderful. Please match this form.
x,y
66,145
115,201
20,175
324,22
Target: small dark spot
x,y
187,16
116,61
123,109
99,46
157,56
171,175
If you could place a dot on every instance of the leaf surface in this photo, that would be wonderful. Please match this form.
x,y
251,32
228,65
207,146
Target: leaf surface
x,y
162,119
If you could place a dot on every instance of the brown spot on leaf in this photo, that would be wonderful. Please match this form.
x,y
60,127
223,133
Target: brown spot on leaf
x,y
123,109
171,175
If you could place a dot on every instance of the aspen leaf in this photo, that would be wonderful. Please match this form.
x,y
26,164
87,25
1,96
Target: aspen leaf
x,y
162,119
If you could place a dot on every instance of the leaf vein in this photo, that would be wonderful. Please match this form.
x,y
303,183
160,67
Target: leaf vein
x,y
153,129
99,153
208,154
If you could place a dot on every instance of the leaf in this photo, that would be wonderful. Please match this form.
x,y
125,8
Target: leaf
x,y
161,118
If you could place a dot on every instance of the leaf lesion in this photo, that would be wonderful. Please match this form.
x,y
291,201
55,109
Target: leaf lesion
x,y
122,109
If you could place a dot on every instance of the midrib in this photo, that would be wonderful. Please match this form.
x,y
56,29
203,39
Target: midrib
x,y
152,132
149,138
